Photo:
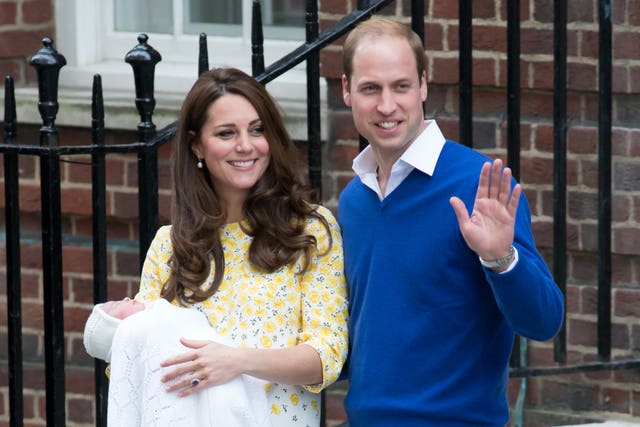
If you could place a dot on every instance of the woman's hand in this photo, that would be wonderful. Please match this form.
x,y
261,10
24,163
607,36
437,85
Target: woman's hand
x,y
208,365
211,364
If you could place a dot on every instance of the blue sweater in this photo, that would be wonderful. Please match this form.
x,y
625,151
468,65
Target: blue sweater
x,y
431,330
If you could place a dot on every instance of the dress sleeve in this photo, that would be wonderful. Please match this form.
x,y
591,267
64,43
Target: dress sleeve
x,y
155,270
324,301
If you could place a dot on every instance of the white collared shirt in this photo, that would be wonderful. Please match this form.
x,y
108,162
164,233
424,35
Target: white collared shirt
x,y
422,154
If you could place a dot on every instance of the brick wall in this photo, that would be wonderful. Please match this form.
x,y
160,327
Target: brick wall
x,y
549,400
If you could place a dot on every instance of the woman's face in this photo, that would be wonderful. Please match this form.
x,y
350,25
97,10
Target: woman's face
x,y
123,308
233,147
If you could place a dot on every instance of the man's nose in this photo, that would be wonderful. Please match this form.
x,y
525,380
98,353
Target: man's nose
x,y
387,103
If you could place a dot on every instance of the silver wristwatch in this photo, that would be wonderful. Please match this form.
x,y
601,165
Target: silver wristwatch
x,y
501,262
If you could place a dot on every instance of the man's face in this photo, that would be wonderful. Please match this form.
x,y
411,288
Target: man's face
x,y
386,95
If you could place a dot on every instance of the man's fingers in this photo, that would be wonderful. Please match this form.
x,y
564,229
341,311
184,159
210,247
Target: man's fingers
x,y
460,210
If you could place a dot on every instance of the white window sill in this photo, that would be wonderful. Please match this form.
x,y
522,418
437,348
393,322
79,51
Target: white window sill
x,y
172,81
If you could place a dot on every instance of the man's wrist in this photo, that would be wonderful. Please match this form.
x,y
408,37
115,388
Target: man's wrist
x,y
500,263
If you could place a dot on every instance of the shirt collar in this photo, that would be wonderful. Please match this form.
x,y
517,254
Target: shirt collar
x,y
422,154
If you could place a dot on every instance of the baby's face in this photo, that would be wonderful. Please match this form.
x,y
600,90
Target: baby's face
x,y
123,308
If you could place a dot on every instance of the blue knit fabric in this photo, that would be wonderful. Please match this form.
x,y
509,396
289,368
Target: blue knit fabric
x,y
431,330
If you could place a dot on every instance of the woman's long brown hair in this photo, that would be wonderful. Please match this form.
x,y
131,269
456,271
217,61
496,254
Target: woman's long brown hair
x,y
275,211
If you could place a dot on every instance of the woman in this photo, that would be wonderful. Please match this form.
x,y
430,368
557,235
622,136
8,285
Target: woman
x,y
248,249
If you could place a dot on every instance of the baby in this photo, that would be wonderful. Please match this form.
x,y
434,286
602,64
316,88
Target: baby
x,y
135,339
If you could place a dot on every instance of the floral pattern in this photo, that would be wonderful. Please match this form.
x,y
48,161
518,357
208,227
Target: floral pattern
x,y
276,310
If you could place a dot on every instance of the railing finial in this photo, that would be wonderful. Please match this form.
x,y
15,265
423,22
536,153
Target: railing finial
x,y
143,59
48,62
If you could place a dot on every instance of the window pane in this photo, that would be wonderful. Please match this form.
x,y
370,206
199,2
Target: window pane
x,y
220,17
283,19
284,13
151,16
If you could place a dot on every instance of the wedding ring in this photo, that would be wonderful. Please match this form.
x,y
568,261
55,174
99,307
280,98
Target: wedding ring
x,y
195,382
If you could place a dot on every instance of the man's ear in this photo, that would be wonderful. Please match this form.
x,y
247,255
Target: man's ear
x,y
423,86
346,95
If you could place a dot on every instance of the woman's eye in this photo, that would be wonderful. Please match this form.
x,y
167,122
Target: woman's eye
x,y
257,130
225,134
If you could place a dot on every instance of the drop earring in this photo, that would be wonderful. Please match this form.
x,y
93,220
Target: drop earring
x,y
200,164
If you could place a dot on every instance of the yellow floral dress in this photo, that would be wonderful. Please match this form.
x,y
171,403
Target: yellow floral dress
x,y
276,310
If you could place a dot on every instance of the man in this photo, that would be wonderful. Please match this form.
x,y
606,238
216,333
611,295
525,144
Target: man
x,y
436,292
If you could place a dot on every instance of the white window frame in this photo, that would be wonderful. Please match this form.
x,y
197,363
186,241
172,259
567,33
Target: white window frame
x,y
84,35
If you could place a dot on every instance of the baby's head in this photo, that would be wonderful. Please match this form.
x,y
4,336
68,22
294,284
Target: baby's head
x,y
102,323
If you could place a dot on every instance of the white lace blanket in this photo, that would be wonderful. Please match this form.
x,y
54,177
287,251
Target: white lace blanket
x,y
137,397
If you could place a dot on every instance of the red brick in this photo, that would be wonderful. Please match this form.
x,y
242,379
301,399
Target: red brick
x,y
333,6
342,127
164,208
331,63
75,318
581,332
543,137
633,12
30,200
536,104
620,80
572,298
542,232
433,36
77,259
542,75
626,45
621,209
581,76
22,43
489,38
8,13
582,140
616,400
342,157
536,41
77,201
537,170
37,11
488,102
626,241
485,72
589,170
543,11
445,10
581,11
444,71
588,235
12,68
125,205
127,264
571,396
626,302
